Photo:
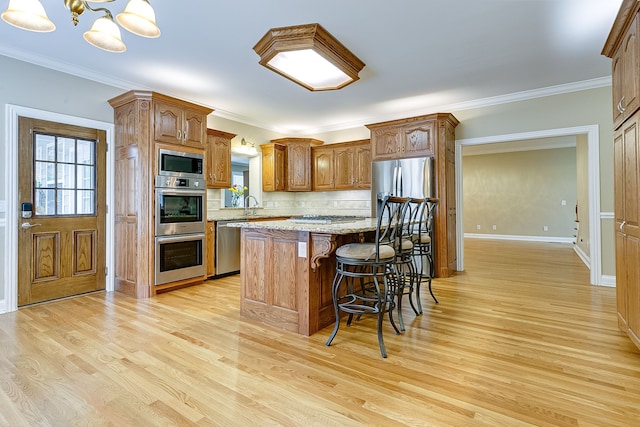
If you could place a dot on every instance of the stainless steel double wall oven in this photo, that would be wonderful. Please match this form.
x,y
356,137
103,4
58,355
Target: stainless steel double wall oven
x,y
180,216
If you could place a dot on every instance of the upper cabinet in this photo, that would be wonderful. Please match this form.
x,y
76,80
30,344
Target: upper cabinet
x,y
176,123
343,166
322,164
294,154
218,158
403,139
623,47
274,157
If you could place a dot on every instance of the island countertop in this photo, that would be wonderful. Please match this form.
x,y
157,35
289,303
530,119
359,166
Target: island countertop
x,y
339,228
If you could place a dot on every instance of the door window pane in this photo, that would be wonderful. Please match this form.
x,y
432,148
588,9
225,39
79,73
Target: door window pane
x,y
85,177
66,150
85,202
64,175
44,175
45,148
45,202
85,152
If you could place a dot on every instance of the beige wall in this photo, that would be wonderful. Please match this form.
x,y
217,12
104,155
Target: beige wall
x,y
36,87
520,193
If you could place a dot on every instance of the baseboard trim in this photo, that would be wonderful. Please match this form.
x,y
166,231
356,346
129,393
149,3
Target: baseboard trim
x,y
583,256
548,239
609,281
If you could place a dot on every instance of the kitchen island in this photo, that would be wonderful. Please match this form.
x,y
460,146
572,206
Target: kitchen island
x,y
287,268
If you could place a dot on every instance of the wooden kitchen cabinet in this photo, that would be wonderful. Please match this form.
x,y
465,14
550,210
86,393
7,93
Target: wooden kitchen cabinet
x,y
626,148
274,158
139,118
622,46
432,135
218,158
626,75
175,123
298,162
286,164
403,139
342,166
322,168
211,248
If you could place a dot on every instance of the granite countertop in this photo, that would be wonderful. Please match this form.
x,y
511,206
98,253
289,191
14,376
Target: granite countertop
x,y
358,226
230,216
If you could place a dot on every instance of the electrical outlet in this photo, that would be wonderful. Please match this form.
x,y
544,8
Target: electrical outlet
x,y
545,228
494,227
563,203
478,227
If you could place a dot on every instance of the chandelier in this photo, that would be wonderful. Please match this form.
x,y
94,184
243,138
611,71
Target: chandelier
x,y
138,18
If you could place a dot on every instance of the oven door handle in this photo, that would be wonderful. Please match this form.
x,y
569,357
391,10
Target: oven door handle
x,y
180,192
180,238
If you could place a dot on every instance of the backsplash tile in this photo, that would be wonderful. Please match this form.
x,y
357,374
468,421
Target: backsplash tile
x,y
352,202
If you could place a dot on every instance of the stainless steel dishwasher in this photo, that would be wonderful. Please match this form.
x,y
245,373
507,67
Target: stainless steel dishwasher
x,y
227,247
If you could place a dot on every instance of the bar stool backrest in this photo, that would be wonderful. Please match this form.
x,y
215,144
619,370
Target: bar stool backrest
x,y
392,220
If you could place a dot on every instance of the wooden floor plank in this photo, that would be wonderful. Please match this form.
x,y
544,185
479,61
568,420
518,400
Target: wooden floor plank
x,y
518,339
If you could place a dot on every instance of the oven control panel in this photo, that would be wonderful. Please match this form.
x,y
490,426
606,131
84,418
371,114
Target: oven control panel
x,y
175,182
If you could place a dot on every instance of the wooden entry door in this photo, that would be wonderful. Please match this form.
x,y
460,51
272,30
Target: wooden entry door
x,y
61,247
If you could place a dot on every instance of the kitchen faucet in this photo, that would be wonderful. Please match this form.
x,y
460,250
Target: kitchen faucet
x,y
246,206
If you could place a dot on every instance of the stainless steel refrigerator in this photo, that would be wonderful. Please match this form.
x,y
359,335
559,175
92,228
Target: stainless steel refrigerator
x,y
405,177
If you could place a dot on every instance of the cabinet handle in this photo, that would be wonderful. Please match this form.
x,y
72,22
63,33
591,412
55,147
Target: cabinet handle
x,y
621,107
179,134
184,135
622,225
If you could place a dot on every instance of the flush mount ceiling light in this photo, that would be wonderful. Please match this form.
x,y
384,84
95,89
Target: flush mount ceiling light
x,y
138,18
310,56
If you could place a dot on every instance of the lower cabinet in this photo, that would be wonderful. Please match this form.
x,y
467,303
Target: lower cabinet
x,y
626,152
211,248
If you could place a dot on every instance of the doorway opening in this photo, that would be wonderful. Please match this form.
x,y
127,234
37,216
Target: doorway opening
x,y
593,184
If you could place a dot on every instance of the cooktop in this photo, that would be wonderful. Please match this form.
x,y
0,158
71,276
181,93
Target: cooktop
x,y
325,219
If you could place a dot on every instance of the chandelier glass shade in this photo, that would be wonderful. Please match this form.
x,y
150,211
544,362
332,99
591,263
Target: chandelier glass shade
x,y
138,18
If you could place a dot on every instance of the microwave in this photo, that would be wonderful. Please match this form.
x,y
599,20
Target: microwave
x,y
180,164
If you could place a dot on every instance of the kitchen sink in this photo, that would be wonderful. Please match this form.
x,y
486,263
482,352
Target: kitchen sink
x,y
325,219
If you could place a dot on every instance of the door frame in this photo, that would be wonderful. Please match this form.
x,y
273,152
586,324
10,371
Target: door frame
x,y
593,161
12,113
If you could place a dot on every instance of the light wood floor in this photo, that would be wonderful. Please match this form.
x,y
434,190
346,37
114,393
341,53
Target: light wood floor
x,y
520,338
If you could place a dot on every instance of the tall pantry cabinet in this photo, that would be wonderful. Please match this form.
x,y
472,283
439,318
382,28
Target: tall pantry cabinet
x,y
434,136
145,121
623,47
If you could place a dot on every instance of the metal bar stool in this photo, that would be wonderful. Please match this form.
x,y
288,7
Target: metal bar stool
x,y
366,278
422,237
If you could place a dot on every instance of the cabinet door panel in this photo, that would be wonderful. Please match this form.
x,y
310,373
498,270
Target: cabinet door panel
x,y
194,129
385,143
322,169
167,123
418,141
298,171
343,168
362,166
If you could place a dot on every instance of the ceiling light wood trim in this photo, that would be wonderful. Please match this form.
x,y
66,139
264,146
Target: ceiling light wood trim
x,y
308,36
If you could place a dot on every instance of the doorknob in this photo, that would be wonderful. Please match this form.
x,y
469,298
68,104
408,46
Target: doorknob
x,y
26,225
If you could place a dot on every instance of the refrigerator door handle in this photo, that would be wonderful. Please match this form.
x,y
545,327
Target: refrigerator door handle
x,y
394,188
400,189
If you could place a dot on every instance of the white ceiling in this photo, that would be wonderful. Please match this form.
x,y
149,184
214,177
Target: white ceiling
x,y
421,56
